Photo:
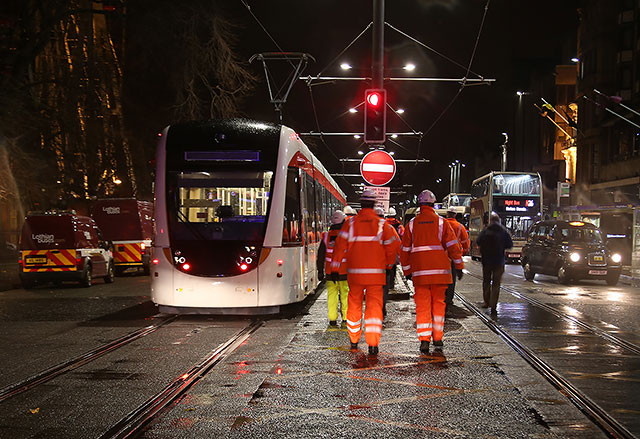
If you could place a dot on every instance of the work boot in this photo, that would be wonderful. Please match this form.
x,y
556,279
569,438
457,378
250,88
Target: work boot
x,y
333,323
437,344
373,350
354,346
484,305
424,346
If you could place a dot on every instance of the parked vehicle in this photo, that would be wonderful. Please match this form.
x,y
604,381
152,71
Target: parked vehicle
x,y
62,246
571,250
128,223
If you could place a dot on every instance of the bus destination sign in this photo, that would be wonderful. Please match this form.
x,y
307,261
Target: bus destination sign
x,y
516,204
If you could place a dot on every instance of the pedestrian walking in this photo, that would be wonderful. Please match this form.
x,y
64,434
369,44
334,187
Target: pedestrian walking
x,y
390,218
428,247
337,290
463,240
369,246
493,241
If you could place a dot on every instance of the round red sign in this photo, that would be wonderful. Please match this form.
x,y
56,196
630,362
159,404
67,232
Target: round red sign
x,y
378,168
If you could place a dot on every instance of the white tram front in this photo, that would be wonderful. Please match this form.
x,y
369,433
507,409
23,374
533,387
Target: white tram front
x,y
239,210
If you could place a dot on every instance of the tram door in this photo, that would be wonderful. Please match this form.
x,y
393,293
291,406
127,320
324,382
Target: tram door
x,y
309,237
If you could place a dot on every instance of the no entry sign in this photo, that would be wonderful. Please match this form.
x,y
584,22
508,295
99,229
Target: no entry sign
x,y
378,168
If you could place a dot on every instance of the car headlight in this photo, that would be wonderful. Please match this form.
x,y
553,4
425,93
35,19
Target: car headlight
x,y
616,257
575,257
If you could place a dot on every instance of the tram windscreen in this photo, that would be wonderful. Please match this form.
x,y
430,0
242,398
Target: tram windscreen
x,y
220,205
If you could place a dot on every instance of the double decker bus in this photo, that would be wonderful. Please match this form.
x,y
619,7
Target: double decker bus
x,y
515,196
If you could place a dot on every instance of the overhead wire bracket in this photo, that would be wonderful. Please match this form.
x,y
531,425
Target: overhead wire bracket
x,y
278,94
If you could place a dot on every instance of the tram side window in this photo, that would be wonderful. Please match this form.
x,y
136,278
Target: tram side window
x,y
292,224
310,209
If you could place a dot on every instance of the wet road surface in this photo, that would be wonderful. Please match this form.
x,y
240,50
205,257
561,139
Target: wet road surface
x,y
296,377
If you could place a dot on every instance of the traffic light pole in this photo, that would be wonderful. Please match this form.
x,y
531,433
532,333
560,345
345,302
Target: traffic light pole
x,y
377,48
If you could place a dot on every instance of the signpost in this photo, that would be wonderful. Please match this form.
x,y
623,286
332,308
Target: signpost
x,y
378,168
382,194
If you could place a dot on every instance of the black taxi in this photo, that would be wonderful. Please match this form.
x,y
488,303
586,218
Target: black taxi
x,y
571,250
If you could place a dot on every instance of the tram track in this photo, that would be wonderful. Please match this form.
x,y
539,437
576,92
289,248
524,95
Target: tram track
x,y
136,421
87,357
609,425
632,347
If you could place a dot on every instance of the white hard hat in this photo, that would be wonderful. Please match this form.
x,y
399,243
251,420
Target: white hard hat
x,y
368,195
379,211
392,212
337,217
426,196
348,210
452,209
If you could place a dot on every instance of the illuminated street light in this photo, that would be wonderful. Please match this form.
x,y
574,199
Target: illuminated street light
x,y
392,153
399,111
345,66
575,59
409,67
360,152
394,136
352,110
357,136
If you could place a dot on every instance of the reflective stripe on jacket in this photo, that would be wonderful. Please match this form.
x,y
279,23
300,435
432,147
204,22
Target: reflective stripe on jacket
x,y
429,245
329,239
370,246
461,234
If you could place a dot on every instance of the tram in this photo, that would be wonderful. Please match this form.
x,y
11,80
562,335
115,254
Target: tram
x,y
240,206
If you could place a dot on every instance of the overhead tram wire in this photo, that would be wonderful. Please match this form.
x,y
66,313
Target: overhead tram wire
x,y
246,5
468,69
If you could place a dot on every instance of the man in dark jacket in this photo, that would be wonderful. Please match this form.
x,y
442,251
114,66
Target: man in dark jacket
x,y
493,241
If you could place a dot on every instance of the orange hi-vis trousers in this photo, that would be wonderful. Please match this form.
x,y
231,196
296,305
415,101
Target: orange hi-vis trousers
x,y
372,313
430,308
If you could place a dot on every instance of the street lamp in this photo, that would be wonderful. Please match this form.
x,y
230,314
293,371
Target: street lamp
x,y
409,67
345,66
504,151
352,110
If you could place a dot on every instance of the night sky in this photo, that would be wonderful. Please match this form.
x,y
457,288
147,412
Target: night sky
x,y
518,38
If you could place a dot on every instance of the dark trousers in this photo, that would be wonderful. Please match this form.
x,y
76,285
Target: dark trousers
x,y
391,280
491,277
448,295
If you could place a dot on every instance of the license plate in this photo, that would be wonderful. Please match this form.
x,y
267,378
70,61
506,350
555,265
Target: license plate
x,y
598,258
598,272
36,260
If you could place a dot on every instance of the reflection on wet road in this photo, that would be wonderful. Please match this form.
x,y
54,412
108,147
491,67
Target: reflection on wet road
x,y
596,344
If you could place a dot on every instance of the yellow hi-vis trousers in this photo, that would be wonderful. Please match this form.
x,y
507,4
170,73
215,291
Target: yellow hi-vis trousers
x,y
372,313
337,293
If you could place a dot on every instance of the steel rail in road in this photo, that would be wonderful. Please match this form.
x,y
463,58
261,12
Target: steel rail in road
x,y
598,331
601,332
74,363
593,411
136,421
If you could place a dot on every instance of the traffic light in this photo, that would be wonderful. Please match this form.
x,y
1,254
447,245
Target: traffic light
x,y
375,115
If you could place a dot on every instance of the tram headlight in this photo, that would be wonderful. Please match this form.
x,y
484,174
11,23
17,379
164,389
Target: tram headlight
x,y
575,257
616,257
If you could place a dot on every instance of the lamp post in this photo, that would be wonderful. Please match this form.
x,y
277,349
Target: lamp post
x,y
454,182
504,152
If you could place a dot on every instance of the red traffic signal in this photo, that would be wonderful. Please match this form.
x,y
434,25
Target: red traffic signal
x,y
375,115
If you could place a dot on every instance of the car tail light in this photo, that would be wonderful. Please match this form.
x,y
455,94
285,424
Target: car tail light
x,y
156,261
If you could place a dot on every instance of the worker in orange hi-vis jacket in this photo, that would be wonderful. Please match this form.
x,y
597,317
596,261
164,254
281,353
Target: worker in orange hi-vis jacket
x,y
370,247
463,240
428,246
